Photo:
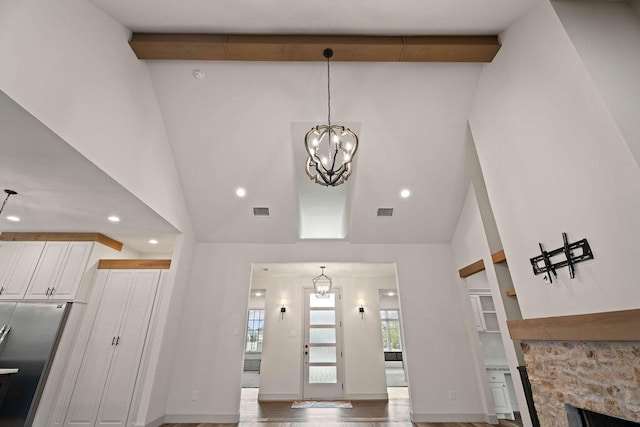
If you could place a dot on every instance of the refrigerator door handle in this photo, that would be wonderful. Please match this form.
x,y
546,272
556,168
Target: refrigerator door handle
x,y
5,332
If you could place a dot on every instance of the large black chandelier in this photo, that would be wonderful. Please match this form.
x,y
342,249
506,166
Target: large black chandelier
x,y
330,147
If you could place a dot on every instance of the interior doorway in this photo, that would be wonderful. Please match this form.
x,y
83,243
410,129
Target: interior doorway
x,y
254,339
391,330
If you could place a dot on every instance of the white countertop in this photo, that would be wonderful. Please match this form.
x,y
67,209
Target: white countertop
x,y
4,371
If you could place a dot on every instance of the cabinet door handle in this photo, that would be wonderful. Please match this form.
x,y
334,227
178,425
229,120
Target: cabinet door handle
x,y
52,291
113,340
47,293
1,290
118,341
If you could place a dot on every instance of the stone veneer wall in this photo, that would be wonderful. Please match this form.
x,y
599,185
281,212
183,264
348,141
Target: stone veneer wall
x,y
599,376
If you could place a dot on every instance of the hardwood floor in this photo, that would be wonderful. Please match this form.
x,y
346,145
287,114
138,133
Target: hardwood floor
x,y
394,413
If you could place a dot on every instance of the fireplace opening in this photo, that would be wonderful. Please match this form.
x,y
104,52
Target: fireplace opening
x,y
594,419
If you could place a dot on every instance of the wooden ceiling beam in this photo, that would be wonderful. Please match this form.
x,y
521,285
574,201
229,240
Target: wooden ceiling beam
x,y
221,47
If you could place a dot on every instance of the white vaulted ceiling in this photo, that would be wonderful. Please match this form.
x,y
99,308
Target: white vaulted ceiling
x,y
243,124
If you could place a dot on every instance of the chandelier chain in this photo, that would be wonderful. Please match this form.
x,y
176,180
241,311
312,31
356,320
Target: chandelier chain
x,y
328,93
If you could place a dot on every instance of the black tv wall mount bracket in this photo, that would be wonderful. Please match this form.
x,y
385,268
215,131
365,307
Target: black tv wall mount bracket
x,y
543,263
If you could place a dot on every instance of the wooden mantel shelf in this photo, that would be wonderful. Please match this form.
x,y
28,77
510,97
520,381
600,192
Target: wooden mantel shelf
x,y
609,326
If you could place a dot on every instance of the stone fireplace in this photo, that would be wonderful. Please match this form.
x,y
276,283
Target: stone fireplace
x,y
587,361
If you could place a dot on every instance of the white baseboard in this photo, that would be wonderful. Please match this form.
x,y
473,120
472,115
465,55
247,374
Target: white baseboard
x,y
202,418
263,397
492,419
155,423
366,396
450,418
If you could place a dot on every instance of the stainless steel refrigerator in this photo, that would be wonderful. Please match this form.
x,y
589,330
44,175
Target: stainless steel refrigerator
x,y
29,337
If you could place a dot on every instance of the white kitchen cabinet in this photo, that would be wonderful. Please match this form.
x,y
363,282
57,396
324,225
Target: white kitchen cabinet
x,y
59,271
106,379
500,393
484,313
477,312
18,261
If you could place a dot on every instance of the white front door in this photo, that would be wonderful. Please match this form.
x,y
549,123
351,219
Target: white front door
x,y
323,346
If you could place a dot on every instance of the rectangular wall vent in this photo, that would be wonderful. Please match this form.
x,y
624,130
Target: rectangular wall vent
x,y
385,211
260,211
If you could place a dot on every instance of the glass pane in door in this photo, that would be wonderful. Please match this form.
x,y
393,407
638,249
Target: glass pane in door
x,y
322,317
323,375
322,355
322,335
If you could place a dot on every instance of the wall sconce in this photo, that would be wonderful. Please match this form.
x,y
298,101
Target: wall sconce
x,y
361,310
283,310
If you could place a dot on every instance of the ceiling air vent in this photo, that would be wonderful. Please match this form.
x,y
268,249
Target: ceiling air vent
x,y
260,211
385,211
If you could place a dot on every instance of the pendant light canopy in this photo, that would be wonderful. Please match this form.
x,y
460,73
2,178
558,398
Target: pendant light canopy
x,y
330,148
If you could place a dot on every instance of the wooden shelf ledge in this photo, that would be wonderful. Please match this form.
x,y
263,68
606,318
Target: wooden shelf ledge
x,y
609,326
470,269
133,264
62,237
499,257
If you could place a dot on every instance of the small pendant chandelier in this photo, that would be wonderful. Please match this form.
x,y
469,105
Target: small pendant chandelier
x,y
9,194
330,147
322,284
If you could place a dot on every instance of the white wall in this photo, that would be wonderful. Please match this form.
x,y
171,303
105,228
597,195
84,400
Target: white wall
x,y
607,38
282,362
553,161
363,362
365,376
470,245
210,348
69,64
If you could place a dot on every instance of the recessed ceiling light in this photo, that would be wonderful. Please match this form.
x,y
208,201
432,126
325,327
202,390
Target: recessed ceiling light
x,y
198,74
13,218
153,242
258,294
114,218
405,193
391,294
241,192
